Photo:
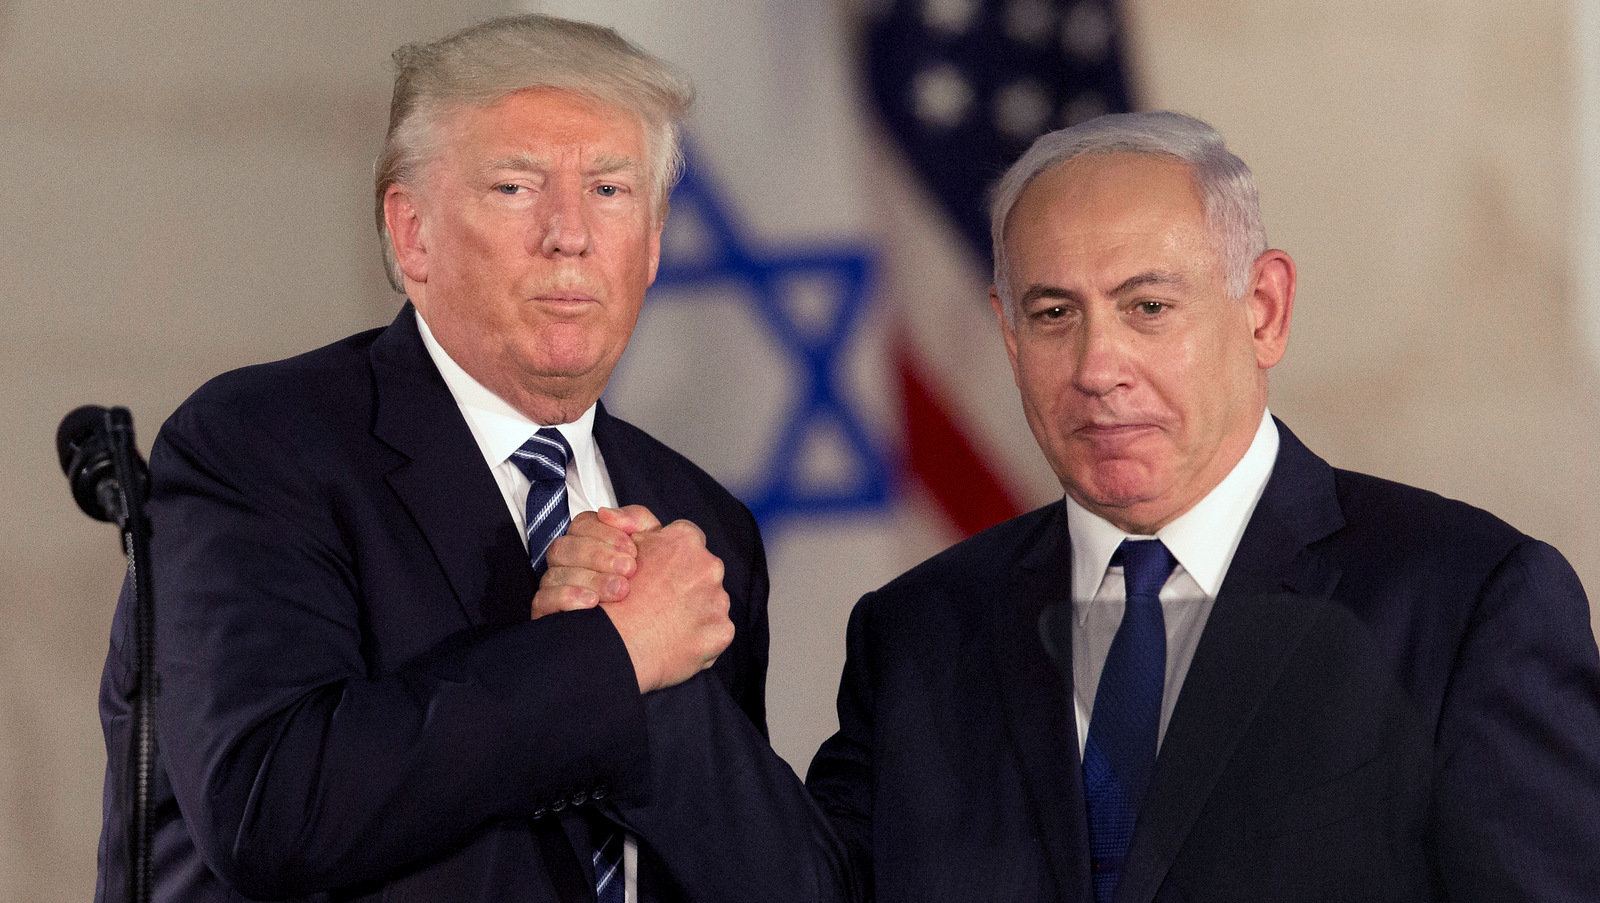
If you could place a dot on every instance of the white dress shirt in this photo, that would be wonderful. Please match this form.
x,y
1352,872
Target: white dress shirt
x,y
1202,539
500,430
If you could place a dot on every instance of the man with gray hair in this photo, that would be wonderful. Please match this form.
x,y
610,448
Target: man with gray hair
x,y
1219,669
362,696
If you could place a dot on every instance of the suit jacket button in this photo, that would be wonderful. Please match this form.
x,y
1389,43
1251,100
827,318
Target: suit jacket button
x,y
540,812
558,805
580,798
599,793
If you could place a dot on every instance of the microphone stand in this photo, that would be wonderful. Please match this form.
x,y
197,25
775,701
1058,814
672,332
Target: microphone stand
x,y
130,516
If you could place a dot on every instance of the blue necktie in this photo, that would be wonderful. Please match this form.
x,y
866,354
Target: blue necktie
x,y
608,884
543,460
1123,730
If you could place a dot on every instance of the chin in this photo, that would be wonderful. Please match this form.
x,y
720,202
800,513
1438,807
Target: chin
x,y
559,369
562,359
1120,485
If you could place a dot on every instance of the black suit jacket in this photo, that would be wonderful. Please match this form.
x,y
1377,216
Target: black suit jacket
x,y
1396,697
355,704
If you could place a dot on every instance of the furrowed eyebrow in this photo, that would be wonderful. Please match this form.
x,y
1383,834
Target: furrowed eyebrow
x,y
517,162
605,165
1145,280
1131,284
1037,291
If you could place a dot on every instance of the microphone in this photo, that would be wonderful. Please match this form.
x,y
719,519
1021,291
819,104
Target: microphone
x,y
110,482
83,443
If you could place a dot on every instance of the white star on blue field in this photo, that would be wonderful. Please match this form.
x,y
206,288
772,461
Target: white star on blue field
x,y
709,260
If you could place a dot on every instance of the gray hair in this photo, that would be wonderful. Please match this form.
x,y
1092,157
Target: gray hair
x,y
479,65
1232,204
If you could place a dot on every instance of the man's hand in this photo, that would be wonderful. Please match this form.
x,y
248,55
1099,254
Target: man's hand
x,y
659,585
592,561
675,618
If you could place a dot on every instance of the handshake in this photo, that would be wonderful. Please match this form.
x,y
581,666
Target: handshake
x,y
659,585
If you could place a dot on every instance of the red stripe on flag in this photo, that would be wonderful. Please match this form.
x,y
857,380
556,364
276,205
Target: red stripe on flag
x,y
941,456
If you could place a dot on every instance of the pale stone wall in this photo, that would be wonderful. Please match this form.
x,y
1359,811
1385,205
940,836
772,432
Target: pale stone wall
x,y
184,189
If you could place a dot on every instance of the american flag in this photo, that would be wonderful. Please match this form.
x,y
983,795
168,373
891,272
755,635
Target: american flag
x,y
964,87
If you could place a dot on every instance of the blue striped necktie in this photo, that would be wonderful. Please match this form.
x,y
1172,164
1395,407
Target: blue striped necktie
x,y
1123,730
543,460
608,884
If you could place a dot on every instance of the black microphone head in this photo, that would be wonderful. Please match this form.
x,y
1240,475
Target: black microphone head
x,y
76,430
85,454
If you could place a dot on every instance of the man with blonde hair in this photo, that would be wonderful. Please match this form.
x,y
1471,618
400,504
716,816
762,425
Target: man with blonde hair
x,y
362,696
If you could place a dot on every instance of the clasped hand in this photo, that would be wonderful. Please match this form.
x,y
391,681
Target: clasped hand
x,y
661,587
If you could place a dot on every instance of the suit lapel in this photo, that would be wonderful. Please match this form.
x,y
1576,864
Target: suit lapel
x,y
1275,589
444,484
1038,701
626,468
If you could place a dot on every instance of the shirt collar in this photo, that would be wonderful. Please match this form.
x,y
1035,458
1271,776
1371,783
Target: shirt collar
x,y
1202,539
499,428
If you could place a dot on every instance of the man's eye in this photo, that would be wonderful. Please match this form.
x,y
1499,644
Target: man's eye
x,y
1151,308
1053,313
508,188
607,191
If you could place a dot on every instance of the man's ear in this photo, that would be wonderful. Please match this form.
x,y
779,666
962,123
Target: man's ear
x,y
406,234
1007,332
1271,302
655,248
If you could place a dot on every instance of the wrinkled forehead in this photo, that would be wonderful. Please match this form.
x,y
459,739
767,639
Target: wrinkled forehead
x,y
533,124
1119,204
1110,187
544,113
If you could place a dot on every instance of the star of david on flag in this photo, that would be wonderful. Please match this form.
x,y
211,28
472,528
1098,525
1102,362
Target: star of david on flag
x,y
805,304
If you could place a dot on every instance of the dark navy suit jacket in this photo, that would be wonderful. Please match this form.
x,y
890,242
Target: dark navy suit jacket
x,y
1396,697
354,703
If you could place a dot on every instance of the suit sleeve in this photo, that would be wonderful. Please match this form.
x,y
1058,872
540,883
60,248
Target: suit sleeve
x,y
841,775
753,698
1518,794
297,764
728,820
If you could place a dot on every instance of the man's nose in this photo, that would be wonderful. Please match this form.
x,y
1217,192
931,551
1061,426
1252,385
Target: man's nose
x,y
565,231
1102,364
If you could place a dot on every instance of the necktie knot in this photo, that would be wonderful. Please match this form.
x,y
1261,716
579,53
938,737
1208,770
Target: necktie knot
x,y
543,460
544,456
1146,565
